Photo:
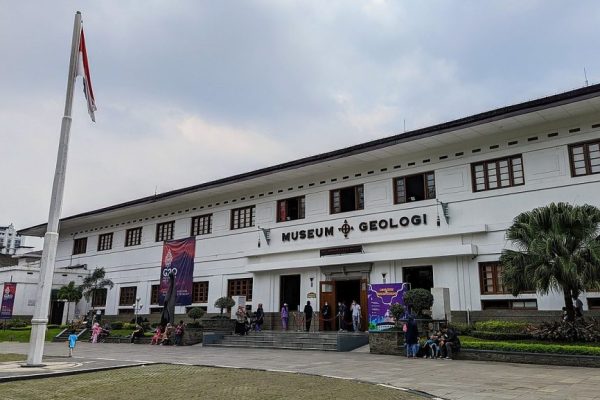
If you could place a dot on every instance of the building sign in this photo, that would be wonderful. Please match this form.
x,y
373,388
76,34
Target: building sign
x,y
381,296
335,251
364,226
8,300
178,257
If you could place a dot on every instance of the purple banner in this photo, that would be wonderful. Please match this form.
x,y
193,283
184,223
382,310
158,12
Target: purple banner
x,y
381,297
178,256
8,300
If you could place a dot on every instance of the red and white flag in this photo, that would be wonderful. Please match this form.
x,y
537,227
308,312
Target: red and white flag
x,y
83,69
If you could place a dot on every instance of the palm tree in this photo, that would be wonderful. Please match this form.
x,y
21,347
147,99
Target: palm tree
x,y
557,249
94,283
70,293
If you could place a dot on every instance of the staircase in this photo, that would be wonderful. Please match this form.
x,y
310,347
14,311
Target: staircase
x,y
63,336
322,341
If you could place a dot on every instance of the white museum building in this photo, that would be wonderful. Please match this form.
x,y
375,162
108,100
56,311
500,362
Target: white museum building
x,y
429,207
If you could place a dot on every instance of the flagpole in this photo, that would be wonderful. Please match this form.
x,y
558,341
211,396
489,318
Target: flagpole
x,y
39,321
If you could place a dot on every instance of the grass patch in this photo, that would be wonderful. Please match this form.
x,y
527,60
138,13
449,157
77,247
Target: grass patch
x,y
531,346
9,335
189,382
12,357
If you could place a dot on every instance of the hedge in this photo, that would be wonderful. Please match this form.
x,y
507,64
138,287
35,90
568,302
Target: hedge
x,y
501,326
500,335
533,347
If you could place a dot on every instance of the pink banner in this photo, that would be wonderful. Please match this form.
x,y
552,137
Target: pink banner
x,y
8,300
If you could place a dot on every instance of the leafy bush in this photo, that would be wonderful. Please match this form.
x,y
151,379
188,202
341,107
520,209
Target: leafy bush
x,y
224,302
16,323
194,325
532,347
460,328
418,300
196,313
500,335
397,311
569,331
129,325
116,325
502,326
219,317
20,328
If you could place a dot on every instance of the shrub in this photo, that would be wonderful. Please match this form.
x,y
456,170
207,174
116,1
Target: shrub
x,y
196,313
418,300
194,325
533,347
569,331
397,311
224,302
500,335
502,326
116,325
460,328
128,325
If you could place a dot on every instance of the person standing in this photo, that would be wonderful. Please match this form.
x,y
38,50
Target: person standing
x,y
326,315
308,314
578,306
341,315
71,342
260,318
96,329
179,331
411,338
355,308
285,315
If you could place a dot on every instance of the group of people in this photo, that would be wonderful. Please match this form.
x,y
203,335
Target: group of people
x,y
343,316
168,335
442,344
247,321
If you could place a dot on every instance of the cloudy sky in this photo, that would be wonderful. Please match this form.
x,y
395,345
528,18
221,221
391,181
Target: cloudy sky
x,y
191,91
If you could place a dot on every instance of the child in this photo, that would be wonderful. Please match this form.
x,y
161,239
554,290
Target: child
x,y
71,342
432,347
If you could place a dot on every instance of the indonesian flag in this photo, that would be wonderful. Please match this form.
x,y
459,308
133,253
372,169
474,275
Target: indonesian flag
x,y
83,69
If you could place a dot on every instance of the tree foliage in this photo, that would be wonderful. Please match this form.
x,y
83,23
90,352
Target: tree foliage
x,y
94,282
397,311
70,293
418,300
556,248
195,313
224,302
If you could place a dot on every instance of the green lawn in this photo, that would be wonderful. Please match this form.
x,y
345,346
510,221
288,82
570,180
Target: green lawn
x,y
533,346
7,335
12,357
189,382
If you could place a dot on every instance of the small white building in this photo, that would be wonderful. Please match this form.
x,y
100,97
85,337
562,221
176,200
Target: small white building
x,y
429,207
10,240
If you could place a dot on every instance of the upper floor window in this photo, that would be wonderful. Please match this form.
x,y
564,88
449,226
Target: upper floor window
x,y
585,158
105,241
133,236
80,246
200,292
347,199
164,231
127,296
243,217
201,225
414,188
498,173
290,209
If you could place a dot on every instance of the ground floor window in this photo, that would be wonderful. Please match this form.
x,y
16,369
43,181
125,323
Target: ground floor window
x,y
593,303
418,277
127,296
509,304
154,294
200,292
99,298
125,311
240,287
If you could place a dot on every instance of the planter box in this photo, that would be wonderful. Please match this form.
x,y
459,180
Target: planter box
x,y
217,325
192,336
529,358
387,342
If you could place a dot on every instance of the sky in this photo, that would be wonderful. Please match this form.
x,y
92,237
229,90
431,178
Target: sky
x,y
192,91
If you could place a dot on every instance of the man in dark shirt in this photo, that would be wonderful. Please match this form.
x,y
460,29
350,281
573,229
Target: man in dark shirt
x,y
326,315
308,314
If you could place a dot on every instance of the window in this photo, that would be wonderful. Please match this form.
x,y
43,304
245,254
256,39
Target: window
x,y
154,291
243,217
127,296
509,304
133,236
593,303
201,225
99,298
164,231
491,278
499,173
414,188
80,246
290,209
347,199
105,241
585,158
200,292
240,287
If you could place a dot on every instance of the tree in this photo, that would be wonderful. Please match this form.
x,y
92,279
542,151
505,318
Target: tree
x,y
195,313
70,293
224,302
557,248
418,300
94,283
397,311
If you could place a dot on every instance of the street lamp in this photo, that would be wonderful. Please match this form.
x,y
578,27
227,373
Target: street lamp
x,y
136,308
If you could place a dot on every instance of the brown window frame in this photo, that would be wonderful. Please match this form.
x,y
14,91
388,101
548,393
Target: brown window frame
x,y
488,304
80,246
201,225
240,287
236,217
497,161
283,206
359,199
154,294
133,237
586,157
125,295
495,278
105,241
99,298
426,189
200,292
164,231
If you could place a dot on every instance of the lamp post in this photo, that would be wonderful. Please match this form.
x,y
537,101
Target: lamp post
x,y
136,308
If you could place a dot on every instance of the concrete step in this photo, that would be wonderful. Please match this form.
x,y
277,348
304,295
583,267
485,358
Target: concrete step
x,y
267,346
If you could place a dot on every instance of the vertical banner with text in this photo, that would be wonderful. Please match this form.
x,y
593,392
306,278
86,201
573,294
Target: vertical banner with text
x,y
178,257
8,300
381,298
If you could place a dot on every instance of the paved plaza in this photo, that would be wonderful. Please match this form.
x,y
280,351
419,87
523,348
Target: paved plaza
x,y
445,379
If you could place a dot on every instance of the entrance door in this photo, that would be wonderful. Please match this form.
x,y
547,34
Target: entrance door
x,y
56,312
345,292
290,291
418,277
327,294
